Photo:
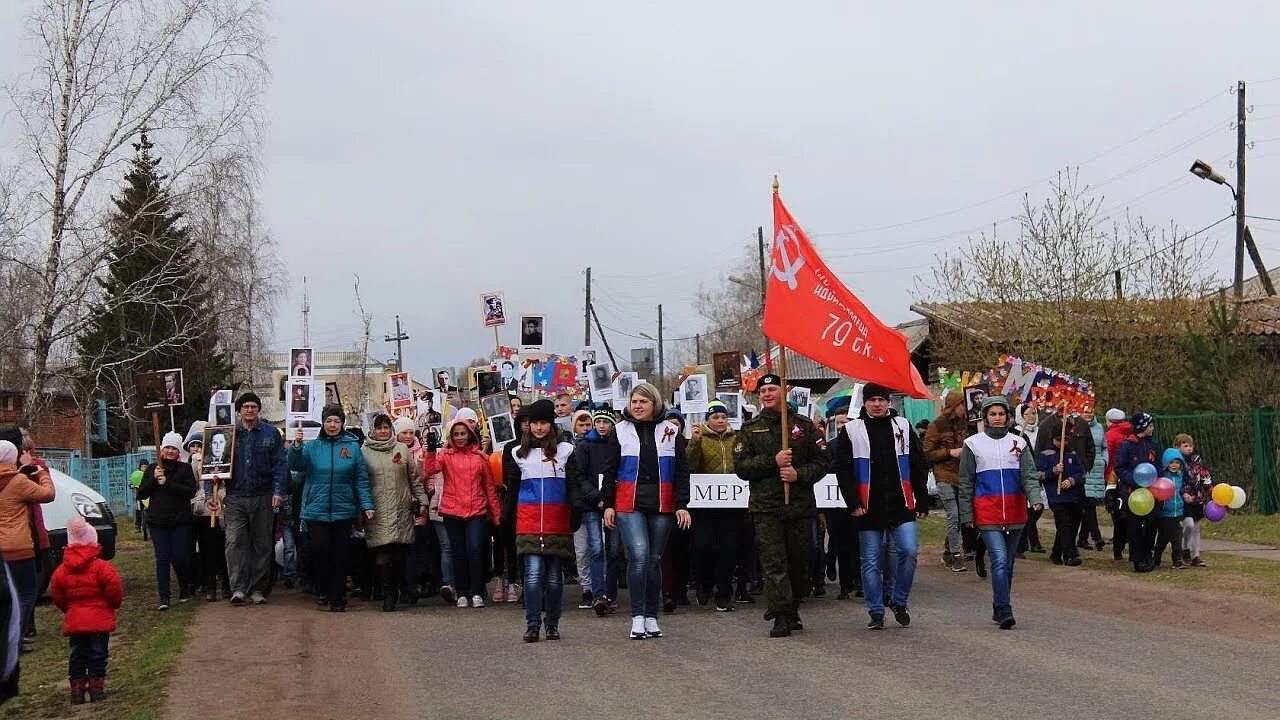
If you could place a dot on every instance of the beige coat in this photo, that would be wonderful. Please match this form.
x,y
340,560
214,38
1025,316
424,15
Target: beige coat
x,y
17,494
394,482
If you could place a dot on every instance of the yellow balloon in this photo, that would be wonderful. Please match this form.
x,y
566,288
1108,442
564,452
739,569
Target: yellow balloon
x,y
1223,494
1141,501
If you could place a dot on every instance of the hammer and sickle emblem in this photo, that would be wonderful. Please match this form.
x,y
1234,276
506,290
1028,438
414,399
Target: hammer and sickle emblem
x,y
784,268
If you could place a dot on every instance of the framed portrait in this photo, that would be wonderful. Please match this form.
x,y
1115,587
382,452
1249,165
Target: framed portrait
x,y
495,405
301,363
532,333
173,392
587,357
444,379
148,390
728,369
799,397
399,390
495,309
622,386
974,396
733,402
299,398
331,394
219,451
223,413
501,430
693,395
489,382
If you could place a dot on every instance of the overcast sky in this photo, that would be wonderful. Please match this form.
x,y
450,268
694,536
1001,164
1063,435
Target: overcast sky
x,y
444,149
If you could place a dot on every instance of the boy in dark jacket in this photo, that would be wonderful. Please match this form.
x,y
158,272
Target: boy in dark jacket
x,y
1063,480
88,589
586,473
1137,448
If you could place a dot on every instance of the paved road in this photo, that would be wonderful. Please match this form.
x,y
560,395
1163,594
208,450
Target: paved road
x,y
1069,657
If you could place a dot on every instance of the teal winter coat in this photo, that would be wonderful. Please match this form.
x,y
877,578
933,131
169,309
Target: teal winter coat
x,y
335,481
1095,480
1173,507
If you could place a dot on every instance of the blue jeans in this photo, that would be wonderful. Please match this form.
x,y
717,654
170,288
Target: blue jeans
x,y
595,551
88,655
1002,546
446,553
171,546
646,538
613,562
24,574
902,559
543,589
467,540
290,553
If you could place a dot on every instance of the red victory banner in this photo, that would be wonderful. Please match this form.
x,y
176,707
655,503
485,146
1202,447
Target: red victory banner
x,y
808,310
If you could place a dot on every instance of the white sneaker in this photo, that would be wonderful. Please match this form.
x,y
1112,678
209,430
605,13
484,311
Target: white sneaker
x,y
257,599
477,601
651,628
637,627
462,602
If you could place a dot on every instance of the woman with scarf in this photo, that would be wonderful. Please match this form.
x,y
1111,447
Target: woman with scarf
x,y
335,490
645,491
398,500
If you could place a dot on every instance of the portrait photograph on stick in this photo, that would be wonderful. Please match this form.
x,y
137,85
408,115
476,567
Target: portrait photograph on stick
x,y
399,390
219,449
148,388
173,393
495,313
532,331
488,382
301,363
501,430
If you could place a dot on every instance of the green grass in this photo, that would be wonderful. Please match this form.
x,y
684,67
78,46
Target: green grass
x,y
143,648
1261,529
1226,573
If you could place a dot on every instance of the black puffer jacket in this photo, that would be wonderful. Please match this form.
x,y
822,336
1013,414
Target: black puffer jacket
x,y
590,457
169,504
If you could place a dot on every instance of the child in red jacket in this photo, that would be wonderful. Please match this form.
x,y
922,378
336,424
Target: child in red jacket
x,y
88,589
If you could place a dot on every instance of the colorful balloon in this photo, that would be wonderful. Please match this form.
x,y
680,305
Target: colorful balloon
x,y
1223,494
1162,489
1239,496
1213,512
1144,475
1141,501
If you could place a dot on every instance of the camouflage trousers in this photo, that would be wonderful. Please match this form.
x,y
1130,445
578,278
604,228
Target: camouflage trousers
x,y
785,543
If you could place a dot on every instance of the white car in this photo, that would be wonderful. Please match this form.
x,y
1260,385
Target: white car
x,y
73,499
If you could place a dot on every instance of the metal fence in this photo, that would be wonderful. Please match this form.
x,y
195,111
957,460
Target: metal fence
x,y
109,476
1241,448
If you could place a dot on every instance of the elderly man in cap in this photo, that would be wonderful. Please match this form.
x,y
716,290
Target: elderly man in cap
x,y
884,481
256,486
783,527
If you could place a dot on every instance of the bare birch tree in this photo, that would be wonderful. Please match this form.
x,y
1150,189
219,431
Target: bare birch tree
x,y
190,72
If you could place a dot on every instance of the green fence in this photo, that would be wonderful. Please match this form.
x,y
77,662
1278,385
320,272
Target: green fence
x,y
1240,448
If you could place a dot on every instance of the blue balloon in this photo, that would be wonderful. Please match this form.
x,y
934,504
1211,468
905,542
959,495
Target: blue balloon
x,y
1144,475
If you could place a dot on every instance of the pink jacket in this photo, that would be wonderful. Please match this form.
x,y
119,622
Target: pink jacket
x,y
468,483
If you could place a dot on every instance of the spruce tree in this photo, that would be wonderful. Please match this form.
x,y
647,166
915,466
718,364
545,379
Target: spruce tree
x,y
154,309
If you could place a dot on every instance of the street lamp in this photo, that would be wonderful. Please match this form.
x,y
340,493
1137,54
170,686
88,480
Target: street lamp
x,y
1204,171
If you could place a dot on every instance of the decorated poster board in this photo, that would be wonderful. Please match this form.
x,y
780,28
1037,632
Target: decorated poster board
x,y
714,491
1025,382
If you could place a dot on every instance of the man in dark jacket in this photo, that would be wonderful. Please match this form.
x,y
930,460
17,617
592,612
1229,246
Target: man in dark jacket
x,y
1136,449
885,482
256,486
783,525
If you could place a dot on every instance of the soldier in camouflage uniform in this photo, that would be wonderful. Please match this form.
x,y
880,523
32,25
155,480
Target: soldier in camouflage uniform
x,y
783,530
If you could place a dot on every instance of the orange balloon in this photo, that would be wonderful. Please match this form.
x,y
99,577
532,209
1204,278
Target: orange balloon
x,y
495,465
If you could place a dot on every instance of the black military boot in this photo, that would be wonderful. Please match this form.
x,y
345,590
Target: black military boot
x,y
781,627
793,622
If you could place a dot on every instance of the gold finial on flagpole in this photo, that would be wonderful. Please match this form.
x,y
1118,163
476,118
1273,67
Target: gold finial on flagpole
x,y
775,184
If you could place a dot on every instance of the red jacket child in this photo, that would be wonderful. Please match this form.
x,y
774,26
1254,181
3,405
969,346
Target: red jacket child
x,y
86,587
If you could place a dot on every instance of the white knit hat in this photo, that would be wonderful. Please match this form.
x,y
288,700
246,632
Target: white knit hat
x,y
466,415
1115,415
171,439
401,424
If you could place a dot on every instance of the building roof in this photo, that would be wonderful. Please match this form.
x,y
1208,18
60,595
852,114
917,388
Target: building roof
x,y
1261,316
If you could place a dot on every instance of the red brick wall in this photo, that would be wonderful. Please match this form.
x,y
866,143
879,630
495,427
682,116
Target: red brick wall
x,y
60,427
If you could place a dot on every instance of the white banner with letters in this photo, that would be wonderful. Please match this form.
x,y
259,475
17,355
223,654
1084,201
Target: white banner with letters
x,y
729,492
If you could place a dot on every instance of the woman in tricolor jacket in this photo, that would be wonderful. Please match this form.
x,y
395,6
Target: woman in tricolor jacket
x,y
645,490
997,482
545,517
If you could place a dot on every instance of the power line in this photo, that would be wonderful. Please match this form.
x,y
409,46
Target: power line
x,y
1152,254
1262,217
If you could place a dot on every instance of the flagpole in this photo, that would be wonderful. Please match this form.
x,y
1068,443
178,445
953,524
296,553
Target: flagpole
x,y
782,368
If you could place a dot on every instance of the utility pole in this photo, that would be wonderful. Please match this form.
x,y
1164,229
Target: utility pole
x,y
1240,148
604,338
398,338
662,368
697,344
587,311
1119,287
306,315
768,346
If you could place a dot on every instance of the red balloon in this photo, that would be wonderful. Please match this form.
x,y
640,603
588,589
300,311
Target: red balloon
x,y
1162,489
